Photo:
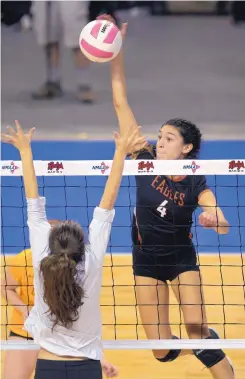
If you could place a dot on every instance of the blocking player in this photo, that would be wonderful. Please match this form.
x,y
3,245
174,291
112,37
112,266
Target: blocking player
x,y
65,320
17,288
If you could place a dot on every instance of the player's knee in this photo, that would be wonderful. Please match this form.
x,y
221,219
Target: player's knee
x,y
209,358
197,330
166,355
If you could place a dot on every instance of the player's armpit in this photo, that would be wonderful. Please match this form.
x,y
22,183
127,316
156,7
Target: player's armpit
x,y
207,201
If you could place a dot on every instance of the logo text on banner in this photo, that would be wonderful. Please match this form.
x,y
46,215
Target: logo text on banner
x,y
145,166
193,167
55,167
236,166
11,167
102,167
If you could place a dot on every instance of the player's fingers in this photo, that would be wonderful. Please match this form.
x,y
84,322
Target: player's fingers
x,y
101,16
18,126
106,17
207,220
11,131
110,18
201,219
114,371
139,145
110,372
124,29
135,132
204,218
140,140
30,133
210,218
6,138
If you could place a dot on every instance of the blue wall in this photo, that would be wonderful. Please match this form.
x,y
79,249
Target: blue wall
x,y
75,197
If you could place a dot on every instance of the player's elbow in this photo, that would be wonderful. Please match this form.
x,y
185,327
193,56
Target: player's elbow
x,y
107,204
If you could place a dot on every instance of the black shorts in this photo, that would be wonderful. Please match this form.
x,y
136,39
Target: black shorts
x,y
82,369
13,334
164,265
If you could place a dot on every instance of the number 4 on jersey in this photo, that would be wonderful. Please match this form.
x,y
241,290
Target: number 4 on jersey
x,y
162,208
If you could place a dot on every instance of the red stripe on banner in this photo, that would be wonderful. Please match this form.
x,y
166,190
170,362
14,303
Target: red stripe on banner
x,y
111,35
94,51
95,29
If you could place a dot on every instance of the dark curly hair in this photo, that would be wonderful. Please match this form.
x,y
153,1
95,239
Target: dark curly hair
x,y
190,133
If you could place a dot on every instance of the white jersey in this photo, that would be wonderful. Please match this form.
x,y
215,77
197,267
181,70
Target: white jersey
x,y
83,338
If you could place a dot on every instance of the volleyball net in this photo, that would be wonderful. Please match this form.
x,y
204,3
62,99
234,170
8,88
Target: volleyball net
x,y
72,190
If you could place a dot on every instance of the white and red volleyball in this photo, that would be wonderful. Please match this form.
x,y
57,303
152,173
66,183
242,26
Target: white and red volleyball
x,y
100,41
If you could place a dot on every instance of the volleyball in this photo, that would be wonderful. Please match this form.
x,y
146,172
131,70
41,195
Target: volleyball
x,y
100,41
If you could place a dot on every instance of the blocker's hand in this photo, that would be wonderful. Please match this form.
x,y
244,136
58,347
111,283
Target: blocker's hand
x,y
107,17
132,141
17,137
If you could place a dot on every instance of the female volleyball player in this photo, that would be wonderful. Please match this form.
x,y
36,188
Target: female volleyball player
x,y
65,320
17,288
163,251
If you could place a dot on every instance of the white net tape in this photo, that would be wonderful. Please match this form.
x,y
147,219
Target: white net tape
x,y
145,345
132,167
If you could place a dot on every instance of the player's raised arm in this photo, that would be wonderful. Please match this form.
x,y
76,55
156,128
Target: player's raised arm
x,y
37,221
123,144
122,108
124,113
100,227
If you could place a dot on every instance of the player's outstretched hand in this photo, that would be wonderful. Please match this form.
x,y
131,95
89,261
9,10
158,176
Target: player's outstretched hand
x,y
132,141
17,137
208,220
107,17
109,370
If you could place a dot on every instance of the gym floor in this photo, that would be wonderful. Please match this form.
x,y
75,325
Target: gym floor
x,y
119,315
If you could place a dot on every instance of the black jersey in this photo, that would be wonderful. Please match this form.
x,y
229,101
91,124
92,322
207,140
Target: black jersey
x,y
164,208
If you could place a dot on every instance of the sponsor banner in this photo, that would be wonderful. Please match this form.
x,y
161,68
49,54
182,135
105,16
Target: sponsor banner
x,y
131,167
